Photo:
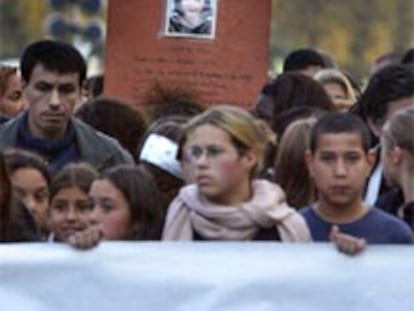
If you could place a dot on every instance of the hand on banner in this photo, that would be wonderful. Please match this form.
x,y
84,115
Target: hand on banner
x,y
88,238
346,243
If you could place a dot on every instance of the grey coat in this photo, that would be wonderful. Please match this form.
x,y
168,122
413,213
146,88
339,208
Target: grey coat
x,y
94,147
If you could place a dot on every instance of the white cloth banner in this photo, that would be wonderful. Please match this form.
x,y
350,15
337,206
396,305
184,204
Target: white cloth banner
x,y
204,276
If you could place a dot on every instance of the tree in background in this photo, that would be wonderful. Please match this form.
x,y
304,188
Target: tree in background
x,y
354,32
20,23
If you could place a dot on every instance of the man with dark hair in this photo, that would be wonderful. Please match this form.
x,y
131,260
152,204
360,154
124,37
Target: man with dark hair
x,y
53,73
389,90
339,161
306,61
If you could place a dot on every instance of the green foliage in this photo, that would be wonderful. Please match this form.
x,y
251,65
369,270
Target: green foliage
x,y
354,32
20,23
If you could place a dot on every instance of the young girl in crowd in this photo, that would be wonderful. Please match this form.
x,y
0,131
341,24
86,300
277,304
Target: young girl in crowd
x,y
127,204
397,156
16,223
70,206
225,146
30,183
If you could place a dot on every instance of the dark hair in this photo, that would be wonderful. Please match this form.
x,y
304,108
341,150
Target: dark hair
x,y
163,101
391,83
294,94
18,158
302,58
21,225
95,85
340,123
171,127
143,197
16,223
5,197
408,57
114,118
79,175
56,56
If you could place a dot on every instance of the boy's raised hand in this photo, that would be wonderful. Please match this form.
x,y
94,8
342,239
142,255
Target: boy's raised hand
x,y
346,243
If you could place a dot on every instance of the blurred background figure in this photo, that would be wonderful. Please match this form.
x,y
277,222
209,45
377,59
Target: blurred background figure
x,y
305,61
291,172
157,153
384,60
11,101
338,88
408,57
397,157
289,97
114,118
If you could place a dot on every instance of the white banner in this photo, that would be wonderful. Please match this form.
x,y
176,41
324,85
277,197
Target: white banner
x,y
205,276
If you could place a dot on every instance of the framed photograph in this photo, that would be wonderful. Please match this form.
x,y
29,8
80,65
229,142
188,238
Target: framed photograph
x,y
191,18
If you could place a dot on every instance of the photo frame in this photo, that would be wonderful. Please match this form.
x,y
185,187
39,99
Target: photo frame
x,y
194,19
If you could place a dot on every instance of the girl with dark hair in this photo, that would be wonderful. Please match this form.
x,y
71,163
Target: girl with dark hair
x,y
70,205
30,180
16,223
127,204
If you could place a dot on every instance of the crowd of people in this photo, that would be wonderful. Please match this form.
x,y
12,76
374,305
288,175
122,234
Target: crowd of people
x,y
319,158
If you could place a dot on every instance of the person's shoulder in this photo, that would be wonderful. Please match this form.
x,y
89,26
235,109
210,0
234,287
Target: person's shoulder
x,y
8,123
380,215
8,131
81,128
390,201
91,138
395,226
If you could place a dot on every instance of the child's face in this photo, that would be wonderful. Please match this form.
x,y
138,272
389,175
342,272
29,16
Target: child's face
x,y
69,212
111,210
220,172
338,95
30,186
339,168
